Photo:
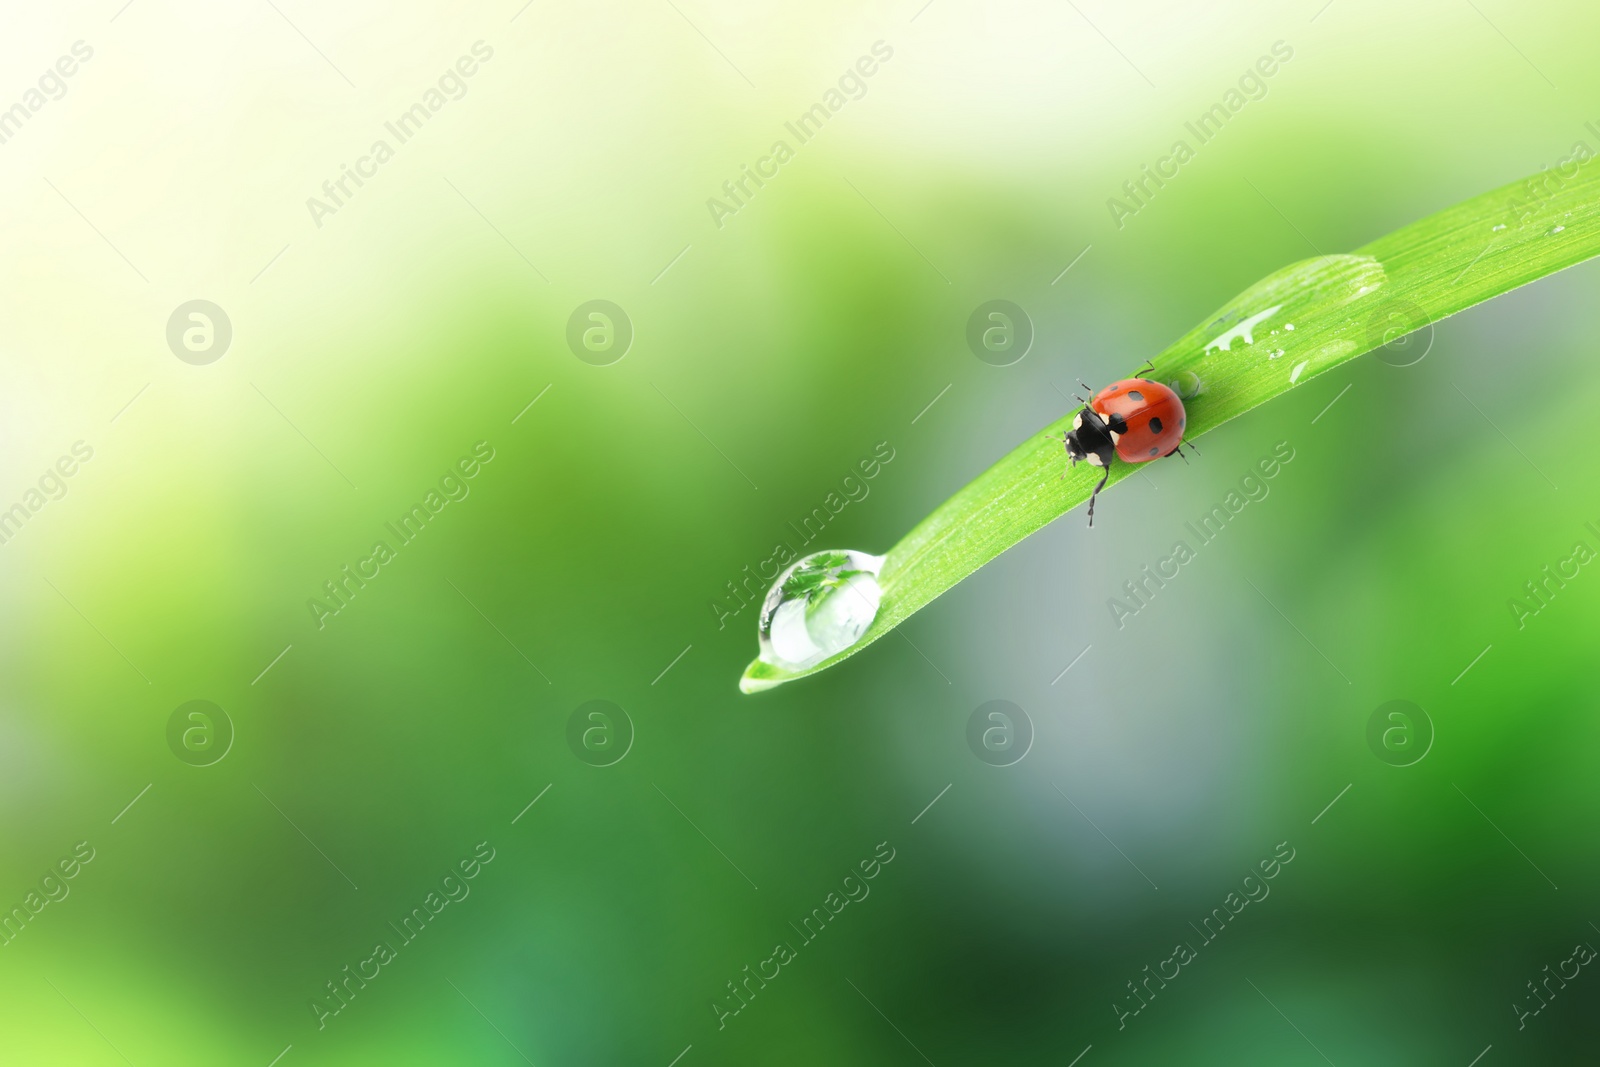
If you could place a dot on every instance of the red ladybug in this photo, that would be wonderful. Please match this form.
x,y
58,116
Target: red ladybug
x,y
1135,420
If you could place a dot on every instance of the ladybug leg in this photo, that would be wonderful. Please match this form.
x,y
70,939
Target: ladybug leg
x,y
1072,463
1062,440
1096,494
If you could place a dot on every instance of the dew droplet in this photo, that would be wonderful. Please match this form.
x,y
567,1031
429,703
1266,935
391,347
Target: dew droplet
x,y
1288,326
1188,385
1294,375
1555,230
1275,353
819,607
1498,228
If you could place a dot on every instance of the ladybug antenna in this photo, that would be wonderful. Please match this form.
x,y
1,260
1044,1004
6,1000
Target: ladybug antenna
x,y
1150,364
1095,494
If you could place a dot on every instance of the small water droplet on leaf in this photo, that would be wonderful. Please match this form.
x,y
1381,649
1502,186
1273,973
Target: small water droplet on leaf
x,y
1187,385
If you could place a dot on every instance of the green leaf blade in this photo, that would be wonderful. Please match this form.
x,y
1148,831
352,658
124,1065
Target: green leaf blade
x,y
1340,307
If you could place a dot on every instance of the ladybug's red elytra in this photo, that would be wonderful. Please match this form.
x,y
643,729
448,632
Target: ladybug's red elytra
x,y
1134,420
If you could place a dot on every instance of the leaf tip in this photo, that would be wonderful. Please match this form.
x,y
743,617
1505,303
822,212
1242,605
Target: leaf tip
x,y
758,678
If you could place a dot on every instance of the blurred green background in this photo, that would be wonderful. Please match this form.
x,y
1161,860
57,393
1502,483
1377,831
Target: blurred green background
x,y
770,354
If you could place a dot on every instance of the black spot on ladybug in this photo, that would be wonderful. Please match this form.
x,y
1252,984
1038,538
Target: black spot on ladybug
x,y
1153,451
1155,425
1181,420
1134,394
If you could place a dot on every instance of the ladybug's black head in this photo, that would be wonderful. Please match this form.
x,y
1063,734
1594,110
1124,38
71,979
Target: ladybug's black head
x,y
1091,439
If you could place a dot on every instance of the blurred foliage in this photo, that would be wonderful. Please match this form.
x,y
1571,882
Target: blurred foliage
x,y
380,750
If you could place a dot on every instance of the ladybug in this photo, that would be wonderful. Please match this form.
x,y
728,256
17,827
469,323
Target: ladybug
x,y
1135,420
